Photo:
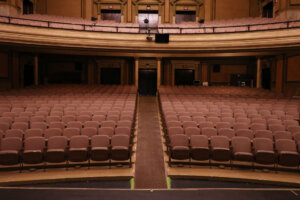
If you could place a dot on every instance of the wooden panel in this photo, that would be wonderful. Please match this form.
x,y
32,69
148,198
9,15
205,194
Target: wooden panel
x,y
3,65
293,72
225,71
230,9
70,8
295,2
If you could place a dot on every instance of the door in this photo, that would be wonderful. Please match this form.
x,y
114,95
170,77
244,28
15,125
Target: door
x,y
184,76
147,82
28,75
266,78
110,76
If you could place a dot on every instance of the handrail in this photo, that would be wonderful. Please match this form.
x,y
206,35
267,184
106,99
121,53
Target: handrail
x,y
179,30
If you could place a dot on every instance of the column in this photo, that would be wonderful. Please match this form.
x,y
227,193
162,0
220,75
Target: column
x,y
129,11
36,70
122,73
258,73
167,11
15,70
158,72
136,60
279,74
99,75
90,73
204,72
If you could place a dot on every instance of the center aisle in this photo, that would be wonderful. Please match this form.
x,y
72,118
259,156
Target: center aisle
x,y
149,167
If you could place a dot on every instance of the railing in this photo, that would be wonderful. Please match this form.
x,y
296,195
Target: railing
x,y
93,27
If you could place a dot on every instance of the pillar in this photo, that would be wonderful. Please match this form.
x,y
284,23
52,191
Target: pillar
x,y
90,73
136,60
129,11
158,72
258,73
167,11
279,74
36,70
204,72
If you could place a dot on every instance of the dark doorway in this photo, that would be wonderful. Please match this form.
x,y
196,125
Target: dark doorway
x,y
266,78
110,76
185,16
148,19
28,75
268,10
184,76
113,15
147,82
27,7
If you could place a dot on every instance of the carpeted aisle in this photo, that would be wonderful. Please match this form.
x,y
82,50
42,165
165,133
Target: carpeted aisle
x,y
149,167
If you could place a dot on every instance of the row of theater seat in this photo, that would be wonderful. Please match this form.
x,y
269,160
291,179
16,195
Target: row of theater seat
x,y
228,112
230,133
220,148
216,26
58,149
72,123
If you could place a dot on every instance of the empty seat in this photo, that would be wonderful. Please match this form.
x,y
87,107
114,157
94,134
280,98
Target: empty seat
x,y
228,132
10,151
199,147
120,148
282,135
20,125
220,148
241,149
83,118
78,151
122,131
34,132
37,119
124,123
68,118
59,125
33,150
14,133
258,126
264,151
209,132
186,124
111,124
51,132
170,124
57,149
276,127
53,119
206,125
189,131
179,148
263,134
100,148
74,124
287,152
220,125
107,131
294,129
93,124
70,132
245,133
39,125
89,131
175,131
4,126
98,118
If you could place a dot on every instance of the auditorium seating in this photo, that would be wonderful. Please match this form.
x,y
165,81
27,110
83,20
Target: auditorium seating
x,y
262,124
61,126
215,26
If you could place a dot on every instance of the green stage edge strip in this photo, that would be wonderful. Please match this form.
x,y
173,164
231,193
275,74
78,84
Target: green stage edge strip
x,y
169,182
132,183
